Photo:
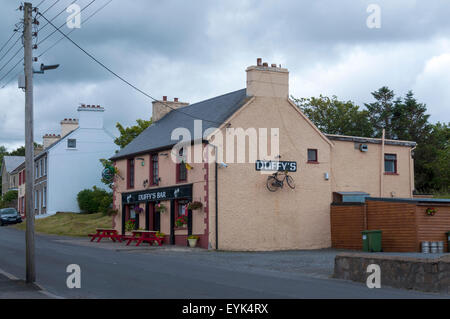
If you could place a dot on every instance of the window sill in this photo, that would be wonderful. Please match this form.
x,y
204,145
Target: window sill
x,y
387,173
312,162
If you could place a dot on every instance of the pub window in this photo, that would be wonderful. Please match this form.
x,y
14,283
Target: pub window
x,y
71,143
182,170
390,163
131,173
154,174
312,155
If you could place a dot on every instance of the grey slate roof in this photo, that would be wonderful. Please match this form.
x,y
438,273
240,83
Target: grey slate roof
x,y
11,162
158,135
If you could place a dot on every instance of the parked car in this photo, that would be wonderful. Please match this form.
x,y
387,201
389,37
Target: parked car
x,y
9,216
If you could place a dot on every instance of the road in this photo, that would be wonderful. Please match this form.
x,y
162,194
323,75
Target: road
x,y
108,273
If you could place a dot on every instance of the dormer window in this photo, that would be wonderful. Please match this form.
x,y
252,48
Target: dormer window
x,y
71,143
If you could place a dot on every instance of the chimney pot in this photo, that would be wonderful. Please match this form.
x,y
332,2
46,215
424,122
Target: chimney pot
x,y
175,99
258,61
164,98
273,65
265,64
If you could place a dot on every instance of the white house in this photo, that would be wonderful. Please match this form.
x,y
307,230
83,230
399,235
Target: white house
x,y
70,163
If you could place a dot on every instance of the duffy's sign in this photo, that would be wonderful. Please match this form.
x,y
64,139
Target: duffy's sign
x,y
280,166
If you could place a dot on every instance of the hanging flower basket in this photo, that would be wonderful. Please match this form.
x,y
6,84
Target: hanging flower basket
x,y
160,208
430,211
138,209
195,205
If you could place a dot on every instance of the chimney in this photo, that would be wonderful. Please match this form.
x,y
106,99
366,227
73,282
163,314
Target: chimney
x,y
266,81
49,139
161,108
91,116
68,125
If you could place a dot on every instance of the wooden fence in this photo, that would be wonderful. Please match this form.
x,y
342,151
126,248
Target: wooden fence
x,y
404,223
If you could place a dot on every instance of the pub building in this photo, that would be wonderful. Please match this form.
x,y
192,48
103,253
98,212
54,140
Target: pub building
x,y
240,208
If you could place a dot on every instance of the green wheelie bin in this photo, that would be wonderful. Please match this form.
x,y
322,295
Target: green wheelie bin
x,y
371,240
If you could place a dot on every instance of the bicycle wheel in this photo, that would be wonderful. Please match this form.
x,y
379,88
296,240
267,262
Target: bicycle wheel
x,y
290,181
272,184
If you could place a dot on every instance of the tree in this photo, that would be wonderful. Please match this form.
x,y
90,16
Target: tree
x,y
432,160
332,116
381,111
409,120
94,200
129,133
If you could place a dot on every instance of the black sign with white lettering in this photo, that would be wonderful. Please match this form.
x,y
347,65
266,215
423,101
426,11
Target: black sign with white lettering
x,y
158,194
279,166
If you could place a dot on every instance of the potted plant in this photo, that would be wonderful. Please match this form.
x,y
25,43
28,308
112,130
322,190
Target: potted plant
x,y
195,205
130,225
181,221
192,239
160,208
430,211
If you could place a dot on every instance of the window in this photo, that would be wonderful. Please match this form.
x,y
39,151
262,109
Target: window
x,y
390,163
312,155
182,209
36,198
181,168
44,197
40,168
71,143
36,173
131,173
45,165
154,173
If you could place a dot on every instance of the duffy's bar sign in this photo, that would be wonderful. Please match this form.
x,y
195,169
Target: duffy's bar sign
x,y
279,166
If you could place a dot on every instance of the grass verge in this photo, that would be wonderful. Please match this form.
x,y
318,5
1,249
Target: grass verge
x,y
70,224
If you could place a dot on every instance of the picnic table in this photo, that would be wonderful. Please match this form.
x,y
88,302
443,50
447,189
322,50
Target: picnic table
x,y
106,233
148,236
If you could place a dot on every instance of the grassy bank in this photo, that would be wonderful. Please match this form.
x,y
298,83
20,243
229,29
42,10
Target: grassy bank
x,y
70,224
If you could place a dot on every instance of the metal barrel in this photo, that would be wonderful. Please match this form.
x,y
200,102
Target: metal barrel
x,y
426,247
440,247
434,247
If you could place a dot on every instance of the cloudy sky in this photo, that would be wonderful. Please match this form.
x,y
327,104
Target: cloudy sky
x,y
198,49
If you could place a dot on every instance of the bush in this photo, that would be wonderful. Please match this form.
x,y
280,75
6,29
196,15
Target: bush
x,y
94,200
9,199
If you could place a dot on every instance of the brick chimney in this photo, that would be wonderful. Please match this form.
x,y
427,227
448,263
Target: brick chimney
x,y
68,125
161,108
268,81
91,116
49,139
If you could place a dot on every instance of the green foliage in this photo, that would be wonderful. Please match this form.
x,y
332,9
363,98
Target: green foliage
x,y
402,118
8,199
332,116
95,200
108,164
129,133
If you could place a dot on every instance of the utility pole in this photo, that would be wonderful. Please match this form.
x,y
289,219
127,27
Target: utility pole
x,y
29,145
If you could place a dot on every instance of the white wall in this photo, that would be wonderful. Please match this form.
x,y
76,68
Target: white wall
x,y
72,170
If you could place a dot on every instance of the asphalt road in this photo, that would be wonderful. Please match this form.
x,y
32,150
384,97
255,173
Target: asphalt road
x,y
107,273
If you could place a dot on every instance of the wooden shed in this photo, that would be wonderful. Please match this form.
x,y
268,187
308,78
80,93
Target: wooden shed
x,y
404,222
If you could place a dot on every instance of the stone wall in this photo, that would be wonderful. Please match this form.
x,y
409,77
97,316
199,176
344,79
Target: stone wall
x,y
425,274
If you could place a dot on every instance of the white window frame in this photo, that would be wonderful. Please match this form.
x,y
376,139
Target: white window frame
x,y
71,148
44,197
45,166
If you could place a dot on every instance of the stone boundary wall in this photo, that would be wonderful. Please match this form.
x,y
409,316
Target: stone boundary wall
x,y
425,274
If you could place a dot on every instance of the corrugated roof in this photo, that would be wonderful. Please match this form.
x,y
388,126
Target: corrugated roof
x,y
11,162
158,135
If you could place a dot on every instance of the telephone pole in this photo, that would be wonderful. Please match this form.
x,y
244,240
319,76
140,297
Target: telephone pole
x,y
29,145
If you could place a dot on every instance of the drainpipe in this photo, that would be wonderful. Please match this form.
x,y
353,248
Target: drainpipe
x,y
381,163
411,171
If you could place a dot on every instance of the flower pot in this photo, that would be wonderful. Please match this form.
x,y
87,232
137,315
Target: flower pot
x,y
192,242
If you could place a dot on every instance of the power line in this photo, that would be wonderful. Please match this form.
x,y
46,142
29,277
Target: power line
x,y
57,29
57,15
50,6
121,78
6,53
15,65
83,23
6,43
17,52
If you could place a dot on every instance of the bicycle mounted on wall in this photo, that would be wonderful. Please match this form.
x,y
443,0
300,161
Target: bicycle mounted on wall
x,y
274,183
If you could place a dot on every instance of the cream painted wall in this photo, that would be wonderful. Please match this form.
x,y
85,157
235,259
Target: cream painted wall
x,y
353,170
253,218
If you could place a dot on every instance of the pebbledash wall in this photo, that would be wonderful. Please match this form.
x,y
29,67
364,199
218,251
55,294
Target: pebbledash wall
x,y
249,216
